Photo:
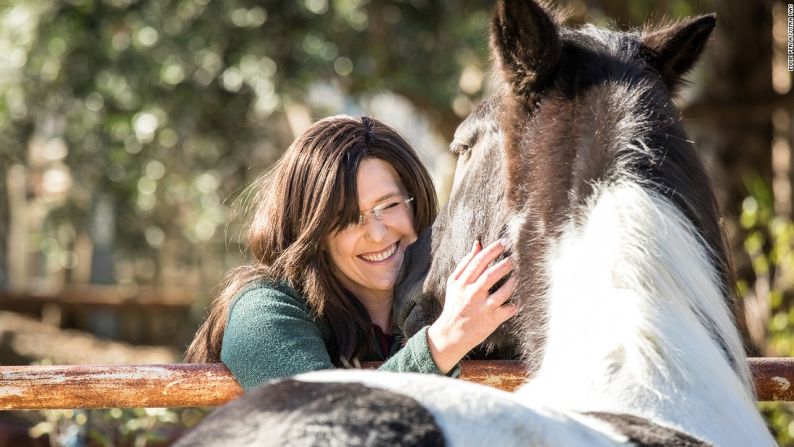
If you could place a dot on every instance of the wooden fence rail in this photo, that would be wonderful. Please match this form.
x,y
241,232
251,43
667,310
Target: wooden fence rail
x,y
198,385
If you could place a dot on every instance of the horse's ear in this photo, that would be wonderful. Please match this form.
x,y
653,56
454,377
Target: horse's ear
x,y
525,42
674,49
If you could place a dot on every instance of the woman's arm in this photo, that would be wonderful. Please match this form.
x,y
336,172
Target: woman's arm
x,y
269,335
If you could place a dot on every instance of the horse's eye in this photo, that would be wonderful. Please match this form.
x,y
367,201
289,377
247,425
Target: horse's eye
x,y
461,150
465,151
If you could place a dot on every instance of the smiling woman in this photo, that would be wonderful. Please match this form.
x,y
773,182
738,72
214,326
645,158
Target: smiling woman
x,y
327,237
366,256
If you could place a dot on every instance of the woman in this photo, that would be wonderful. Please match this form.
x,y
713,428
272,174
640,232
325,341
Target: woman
x,y
328,236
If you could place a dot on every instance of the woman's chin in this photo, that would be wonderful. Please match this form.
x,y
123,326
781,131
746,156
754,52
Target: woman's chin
x,y
383,285
384,277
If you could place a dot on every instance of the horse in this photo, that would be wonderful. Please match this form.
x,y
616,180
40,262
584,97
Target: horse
x,y
624,283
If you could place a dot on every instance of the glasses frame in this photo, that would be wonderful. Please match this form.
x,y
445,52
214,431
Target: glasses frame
x,y
377,210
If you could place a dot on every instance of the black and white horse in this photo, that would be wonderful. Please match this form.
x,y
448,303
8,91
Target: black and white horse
x,y
626,321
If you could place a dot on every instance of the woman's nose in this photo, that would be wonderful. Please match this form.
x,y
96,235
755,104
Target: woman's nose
x,y
376,230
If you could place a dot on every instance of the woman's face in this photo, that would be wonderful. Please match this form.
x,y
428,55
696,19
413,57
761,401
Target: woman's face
x,y
367,257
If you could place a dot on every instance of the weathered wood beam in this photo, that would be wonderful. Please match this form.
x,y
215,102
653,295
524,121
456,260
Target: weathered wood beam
x,y
198,385
76,295
109,386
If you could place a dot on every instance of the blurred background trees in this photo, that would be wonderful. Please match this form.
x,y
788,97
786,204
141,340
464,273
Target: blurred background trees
x,y
128,127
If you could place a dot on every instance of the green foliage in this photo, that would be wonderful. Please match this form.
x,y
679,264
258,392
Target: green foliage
x,y
769,242
163,109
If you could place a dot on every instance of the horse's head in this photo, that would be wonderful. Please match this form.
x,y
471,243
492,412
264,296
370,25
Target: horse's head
x,y
475,212
572,108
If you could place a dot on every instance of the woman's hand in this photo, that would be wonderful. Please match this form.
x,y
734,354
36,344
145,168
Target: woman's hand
x,y
470,313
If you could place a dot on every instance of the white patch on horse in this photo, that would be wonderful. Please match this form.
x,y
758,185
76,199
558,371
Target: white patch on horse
x,y
471,414
625,286
514,225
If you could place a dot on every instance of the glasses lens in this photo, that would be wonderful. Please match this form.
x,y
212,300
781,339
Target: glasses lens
x,y
390,209
386,211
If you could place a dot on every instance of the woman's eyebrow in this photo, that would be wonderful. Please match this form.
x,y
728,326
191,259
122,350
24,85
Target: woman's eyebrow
x,y
384,197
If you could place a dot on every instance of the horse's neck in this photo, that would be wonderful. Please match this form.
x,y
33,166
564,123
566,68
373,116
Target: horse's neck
x,y
630,286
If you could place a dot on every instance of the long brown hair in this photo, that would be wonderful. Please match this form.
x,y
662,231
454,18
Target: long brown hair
x,y
296,206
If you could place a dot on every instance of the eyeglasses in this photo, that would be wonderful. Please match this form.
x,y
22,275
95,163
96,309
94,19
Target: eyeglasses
x,y
387,210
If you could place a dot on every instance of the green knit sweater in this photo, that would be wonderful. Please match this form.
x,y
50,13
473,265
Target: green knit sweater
x,y
270,333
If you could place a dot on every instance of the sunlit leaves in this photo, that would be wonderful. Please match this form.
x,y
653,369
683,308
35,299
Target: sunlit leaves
x,y
769,242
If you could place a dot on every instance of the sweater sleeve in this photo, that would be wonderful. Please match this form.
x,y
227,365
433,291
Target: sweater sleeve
x,y
415,357
270,334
